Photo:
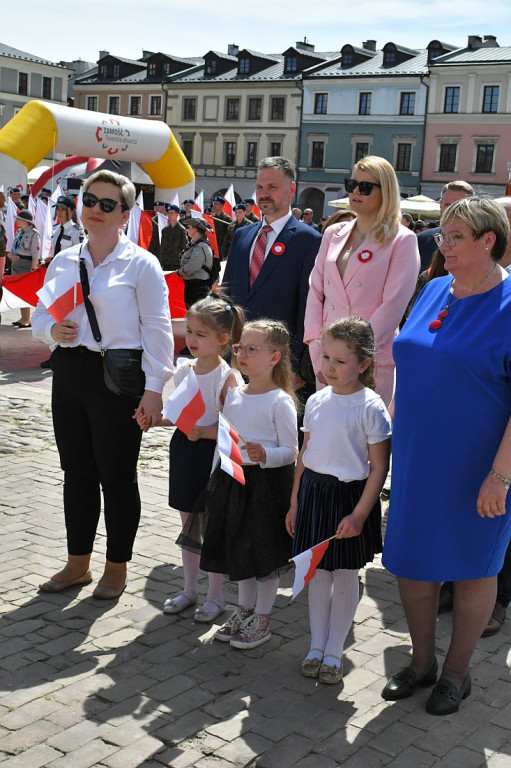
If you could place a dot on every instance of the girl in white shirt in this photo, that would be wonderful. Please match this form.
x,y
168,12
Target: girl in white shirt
x,y
245,535
339,476
210,323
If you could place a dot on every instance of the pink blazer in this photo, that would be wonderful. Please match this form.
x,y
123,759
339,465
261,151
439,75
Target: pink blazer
x,y
378,290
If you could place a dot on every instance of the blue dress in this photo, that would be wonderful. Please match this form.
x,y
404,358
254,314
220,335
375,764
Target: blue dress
x,y
453,403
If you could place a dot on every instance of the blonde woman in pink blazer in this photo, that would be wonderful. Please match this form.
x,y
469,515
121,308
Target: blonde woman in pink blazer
x,y
366,267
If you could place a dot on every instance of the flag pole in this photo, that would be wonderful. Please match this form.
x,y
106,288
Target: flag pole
x,y
232,426
290,560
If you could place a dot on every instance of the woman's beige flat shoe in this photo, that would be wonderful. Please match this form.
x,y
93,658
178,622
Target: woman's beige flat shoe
x,y
108,593
60,586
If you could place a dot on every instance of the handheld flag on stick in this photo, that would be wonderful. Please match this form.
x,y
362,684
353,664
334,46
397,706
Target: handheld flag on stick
x,y
306,564
230,456
62,294
185,406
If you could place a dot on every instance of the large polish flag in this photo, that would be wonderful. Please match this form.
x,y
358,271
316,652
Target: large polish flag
x,y
140,227
255,207
10,223
62,294
199,203
306,564
230,202
230,456
44,222
185,406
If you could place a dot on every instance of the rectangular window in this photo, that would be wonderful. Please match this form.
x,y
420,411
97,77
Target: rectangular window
x,y
291,64
318,154
255,106
103,71
232,109
452,100
447,158
46,87
407,103
135,105
151,69
113,105
403,157
116,71
361,150
244,67
491,98
230,153
23,84
188,149
320,103
189,109
277,108
364,103
166,67
484,158
92,103
275,149
251,158
155,106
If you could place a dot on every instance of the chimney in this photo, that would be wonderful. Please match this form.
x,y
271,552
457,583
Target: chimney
x,y
305,45
104,53
369,45
474,42
490,41
232,49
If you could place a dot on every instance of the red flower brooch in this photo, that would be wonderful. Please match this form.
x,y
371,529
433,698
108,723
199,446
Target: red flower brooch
x,y
364,256
278,249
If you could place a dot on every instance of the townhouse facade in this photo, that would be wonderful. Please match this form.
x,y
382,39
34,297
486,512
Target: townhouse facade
x,y
468,127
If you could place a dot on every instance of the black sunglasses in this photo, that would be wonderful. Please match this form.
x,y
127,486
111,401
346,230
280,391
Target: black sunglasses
x,y
365,187
105,204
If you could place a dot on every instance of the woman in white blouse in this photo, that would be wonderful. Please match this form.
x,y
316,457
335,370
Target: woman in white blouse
x,y
97,437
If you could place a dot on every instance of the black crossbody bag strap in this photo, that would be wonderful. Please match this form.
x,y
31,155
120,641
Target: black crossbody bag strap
x,y
91,314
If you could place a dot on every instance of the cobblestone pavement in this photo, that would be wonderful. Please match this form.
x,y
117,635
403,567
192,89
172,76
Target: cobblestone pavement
x,y
120,685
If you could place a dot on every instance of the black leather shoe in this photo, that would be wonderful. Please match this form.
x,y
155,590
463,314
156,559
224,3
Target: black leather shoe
x,y
401,686
446,698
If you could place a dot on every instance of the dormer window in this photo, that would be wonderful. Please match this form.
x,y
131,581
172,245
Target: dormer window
x,y
244,67
434,53
291,64
116,71
166,67
390,57
103,70
211,67
151,69
347,58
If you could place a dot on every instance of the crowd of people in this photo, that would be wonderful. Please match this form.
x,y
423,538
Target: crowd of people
x,y
301,353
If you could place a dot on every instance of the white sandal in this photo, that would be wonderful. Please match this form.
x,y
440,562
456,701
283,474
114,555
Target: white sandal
x,y
207,617
178,603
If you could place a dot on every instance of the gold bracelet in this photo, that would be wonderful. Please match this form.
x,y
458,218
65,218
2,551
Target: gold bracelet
x,y
505,480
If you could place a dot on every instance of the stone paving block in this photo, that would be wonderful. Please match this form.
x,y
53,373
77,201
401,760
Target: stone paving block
x,y
87,756
286,753
417,758
179,757
26,714
77,735
36,757
316,761
441,738
461,756
189,700
125,688
344,742
503,717
368,758
80,690
499,760
488,738
237,725
395,738
14,742
183,728
169,689
244,750
134,755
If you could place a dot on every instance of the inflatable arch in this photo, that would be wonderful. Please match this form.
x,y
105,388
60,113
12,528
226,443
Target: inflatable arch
x,y
41,127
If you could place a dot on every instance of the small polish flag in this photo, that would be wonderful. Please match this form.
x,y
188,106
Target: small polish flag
x,y
230,202
62,294
211,235
199,202
255,207
43,220
140,227
140,200
10,223
306,564
185,406
230,456
162,223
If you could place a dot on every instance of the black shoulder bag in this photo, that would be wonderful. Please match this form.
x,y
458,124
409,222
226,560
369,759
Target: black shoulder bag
x,y
122,368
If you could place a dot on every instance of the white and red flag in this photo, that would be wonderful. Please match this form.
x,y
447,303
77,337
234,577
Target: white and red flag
x,y
198,205
211,235
306,564
255,207
140,227
230,456
185,406
43,220
230,202
10,223
62,294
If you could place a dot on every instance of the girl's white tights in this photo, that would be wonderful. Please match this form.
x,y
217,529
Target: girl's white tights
x,y
333,601
258,596
191,573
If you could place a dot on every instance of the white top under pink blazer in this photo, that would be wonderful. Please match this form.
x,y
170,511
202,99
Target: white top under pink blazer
x,y
377,287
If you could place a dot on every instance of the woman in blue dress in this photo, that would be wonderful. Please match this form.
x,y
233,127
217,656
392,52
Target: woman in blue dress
x,y
449,517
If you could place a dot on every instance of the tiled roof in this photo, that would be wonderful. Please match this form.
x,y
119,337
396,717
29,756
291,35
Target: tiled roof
x,y
15,53
477,56
418,65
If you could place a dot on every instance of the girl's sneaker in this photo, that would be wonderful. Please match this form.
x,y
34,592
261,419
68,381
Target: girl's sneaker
x,y
254,631
232,625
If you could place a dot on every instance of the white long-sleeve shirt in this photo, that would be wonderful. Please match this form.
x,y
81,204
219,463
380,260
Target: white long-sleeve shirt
x,y
130,298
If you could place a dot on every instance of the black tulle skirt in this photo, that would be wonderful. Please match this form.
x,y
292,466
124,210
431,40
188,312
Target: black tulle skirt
x,y
323,501
245,534
190,465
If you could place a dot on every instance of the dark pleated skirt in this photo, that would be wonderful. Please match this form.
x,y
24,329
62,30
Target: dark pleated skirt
x,y
323,501
245,534
190,464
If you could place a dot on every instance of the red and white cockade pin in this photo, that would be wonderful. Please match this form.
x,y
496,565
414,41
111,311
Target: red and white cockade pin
x,y
278,249
364,256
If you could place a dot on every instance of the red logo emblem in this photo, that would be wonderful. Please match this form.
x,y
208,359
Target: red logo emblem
x,y
278,249
364,256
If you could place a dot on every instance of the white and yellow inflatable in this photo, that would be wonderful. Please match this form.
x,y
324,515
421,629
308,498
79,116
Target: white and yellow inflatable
x,y
41,127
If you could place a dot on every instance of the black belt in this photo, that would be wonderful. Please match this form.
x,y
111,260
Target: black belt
x,y
25,258
80,350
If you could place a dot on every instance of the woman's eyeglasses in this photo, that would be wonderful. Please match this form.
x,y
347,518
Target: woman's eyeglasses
x,y
105,204
365,187
451,240
249,350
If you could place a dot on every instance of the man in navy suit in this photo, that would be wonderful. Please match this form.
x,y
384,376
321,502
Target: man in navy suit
x,y
281,287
